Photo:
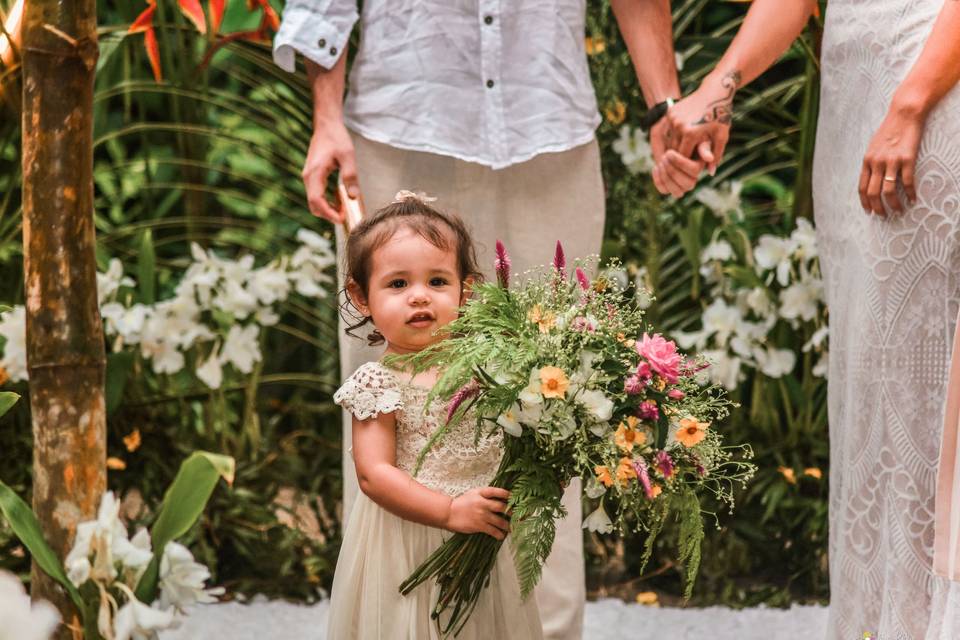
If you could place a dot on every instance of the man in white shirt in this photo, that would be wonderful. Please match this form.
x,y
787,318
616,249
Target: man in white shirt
x,y
489,106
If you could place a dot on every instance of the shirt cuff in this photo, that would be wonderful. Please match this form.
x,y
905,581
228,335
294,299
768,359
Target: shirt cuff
x,y
320,39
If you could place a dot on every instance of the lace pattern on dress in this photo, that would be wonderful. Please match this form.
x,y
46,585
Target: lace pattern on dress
x,y
371,390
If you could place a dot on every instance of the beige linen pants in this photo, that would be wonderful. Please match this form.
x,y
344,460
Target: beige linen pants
x,y
529,206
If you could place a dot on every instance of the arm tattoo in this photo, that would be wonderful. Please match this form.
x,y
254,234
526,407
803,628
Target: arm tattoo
x,y
722,110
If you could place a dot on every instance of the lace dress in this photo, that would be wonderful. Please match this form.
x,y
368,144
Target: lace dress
x,y
893,288
380,550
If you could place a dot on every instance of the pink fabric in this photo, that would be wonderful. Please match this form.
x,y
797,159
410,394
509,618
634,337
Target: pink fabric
x,y
946,554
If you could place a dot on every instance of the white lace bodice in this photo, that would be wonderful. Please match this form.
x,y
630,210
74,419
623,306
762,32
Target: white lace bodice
x,y
456,463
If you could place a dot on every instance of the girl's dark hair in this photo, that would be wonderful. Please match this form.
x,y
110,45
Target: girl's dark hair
x,y
443,230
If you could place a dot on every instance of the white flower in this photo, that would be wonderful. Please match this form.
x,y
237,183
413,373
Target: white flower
x,y
266,317
818,338
804,239
678,59
163,355
20,619
270,284
594,489
823,365
113,279
618,276
128,323
717,250
800,299
597,404
234,299
776,363
565,426
315,241
724,368
137,621
758,301
182,579
211,371
104,540
530,394
13,329
508,420
634,150
721,201
242,347
773,252
598,521
721,319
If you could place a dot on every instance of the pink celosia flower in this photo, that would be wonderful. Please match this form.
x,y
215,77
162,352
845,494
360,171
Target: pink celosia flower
x,y
582,279
662,356
501,264
559,261
641,468
648,410
664,464
676,394
633,385
466,392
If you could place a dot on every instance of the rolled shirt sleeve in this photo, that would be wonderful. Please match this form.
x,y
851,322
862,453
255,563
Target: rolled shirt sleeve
x,y
316,29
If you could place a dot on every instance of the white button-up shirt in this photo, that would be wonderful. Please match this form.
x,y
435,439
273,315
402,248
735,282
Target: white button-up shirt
x,y
489,81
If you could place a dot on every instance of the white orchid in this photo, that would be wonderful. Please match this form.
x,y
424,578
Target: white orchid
x,y
210,372
138,621
110,281
723,201
776,363
125,322
634,150
270,284
801,299
182,579
508,420
775,253
598,405
13,329
724,369
717,250
233,298
721,319
598,521
804,239
530,395
20,619
242,347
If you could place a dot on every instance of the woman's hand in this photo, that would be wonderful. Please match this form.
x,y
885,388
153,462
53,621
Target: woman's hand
x,y
892,155
478,511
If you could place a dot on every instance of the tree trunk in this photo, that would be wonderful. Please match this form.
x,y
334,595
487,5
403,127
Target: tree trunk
x,y
65,353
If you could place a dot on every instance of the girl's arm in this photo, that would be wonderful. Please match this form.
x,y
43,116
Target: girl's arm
x,y
374,454
894,148
768,29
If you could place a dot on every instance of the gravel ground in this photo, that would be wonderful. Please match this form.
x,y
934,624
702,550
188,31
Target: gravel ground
x,y
276,620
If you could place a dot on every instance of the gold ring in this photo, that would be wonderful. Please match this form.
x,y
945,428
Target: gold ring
x,y
889,179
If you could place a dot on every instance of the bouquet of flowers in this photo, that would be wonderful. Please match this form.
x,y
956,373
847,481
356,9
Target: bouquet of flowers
x,y
568,369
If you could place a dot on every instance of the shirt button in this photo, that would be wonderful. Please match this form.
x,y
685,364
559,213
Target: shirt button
x,y
322,43
490,84
333,51
488,20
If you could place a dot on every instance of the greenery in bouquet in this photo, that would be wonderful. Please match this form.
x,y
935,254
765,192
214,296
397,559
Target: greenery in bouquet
x,y
566,366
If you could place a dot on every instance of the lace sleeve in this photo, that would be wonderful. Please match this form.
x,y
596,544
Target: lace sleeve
x,y
371,390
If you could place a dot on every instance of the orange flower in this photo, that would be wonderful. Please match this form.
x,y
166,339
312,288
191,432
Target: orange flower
x,y
543,320
691,432
116,464
616,112
628,435
648,598
4,376
813,472
553,382
655,490
603,475
594,45
788,474
132,441
625,470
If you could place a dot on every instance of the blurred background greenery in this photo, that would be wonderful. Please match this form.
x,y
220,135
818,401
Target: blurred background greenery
x,y
212,154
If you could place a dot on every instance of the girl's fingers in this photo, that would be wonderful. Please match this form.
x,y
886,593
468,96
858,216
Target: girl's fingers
x,y
873,188
497,506
889,187
657,181
498,522
493,532
495,492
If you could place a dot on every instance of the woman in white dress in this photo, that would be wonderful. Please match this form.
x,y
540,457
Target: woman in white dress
x,y
887,208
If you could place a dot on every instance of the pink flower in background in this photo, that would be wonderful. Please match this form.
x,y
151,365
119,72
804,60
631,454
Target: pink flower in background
x,y
581,323
676,394
641,468
633,385
662,356
501,265
665,463
582,279
644,372
648,410
560,261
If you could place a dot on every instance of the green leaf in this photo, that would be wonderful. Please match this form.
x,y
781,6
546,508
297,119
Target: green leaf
x,y
7,400
146,268
27,529
182,505
119,366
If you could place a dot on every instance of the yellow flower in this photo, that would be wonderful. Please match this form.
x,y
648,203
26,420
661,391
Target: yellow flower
x,y
655,490
627,435
648,598
813,472
788,474
594,45
544,320
691,432
553,382
116,464
616,112
659,383
603,475
132,441
625,470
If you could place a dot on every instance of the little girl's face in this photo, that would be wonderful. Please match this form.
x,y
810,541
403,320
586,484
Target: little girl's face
x,y
414,290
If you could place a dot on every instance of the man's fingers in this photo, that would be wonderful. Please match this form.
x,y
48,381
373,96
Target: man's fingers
x,y
689,167
348,172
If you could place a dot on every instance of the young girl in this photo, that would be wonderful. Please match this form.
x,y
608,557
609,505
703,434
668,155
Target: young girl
x,y
408,269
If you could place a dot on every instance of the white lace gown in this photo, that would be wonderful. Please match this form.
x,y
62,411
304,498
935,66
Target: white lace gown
x,y
380,550
893,287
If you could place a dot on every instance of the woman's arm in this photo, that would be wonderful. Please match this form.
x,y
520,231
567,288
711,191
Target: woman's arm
x,y
768,29
374,454
894,148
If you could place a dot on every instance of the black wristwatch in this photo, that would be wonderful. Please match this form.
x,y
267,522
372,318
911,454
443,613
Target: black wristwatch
x,y
654,113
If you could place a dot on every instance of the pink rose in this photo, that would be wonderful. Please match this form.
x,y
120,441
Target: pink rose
x,y
662,356
676,394
644,372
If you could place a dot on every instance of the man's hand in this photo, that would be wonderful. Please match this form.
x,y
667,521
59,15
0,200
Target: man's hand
x,y
330,148
672,173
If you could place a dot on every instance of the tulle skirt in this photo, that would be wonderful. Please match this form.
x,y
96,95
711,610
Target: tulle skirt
x,y
379,551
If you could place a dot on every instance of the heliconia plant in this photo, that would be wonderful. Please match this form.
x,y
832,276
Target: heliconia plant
x,y
125,587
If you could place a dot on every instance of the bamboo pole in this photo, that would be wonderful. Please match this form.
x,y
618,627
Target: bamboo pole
x,y
65,352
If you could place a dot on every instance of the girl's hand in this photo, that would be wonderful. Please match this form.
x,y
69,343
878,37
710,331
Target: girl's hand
x,y
476,511
892,153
